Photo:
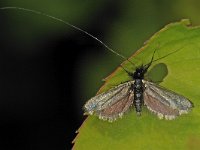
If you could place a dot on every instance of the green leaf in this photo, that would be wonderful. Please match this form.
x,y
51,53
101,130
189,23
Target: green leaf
x,y
180,72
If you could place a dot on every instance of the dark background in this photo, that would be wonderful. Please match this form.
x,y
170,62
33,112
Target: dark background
x,y
48,70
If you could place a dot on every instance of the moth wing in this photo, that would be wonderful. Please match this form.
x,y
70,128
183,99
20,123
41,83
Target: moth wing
x,y
111,104
165,103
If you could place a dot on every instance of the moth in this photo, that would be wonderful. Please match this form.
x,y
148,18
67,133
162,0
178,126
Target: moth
x,y
112,104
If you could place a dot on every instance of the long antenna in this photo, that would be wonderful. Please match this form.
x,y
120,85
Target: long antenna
x,y
69,24
168,54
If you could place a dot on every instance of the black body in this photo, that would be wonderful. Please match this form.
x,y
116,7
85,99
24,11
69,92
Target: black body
x,y
138,86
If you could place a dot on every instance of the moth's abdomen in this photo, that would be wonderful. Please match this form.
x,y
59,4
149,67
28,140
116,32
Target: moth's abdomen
x,y
138,95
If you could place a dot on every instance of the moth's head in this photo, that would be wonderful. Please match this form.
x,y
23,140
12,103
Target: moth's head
x,y
139,72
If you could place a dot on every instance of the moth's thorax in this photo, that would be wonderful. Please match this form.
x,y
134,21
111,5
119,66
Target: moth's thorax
x,y
138,82
138,86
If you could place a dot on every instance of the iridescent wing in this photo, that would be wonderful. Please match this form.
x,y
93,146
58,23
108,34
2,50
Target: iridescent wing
x,y
165,103
111,104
